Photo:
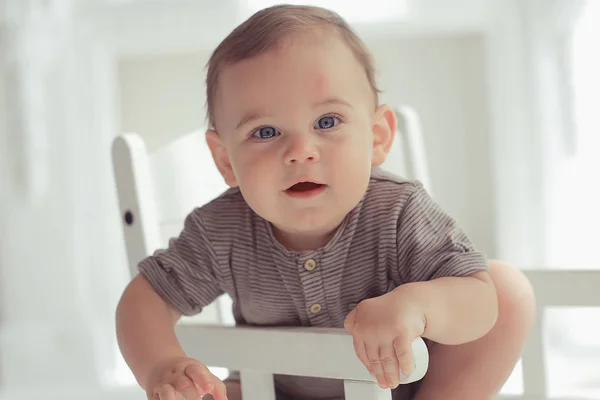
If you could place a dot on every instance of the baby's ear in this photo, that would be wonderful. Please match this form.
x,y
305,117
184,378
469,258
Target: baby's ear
x,y
384,131
220,157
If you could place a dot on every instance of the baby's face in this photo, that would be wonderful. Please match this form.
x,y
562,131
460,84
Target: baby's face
x,y
298,132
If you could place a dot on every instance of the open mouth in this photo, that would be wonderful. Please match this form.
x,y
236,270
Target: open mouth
x,y
305,190
304,187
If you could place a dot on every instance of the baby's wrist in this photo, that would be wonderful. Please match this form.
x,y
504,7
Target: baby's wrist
x,y
409,304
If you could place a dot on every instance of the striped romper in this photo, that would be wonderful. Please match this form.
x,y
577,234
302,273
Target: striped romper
x,y
395,235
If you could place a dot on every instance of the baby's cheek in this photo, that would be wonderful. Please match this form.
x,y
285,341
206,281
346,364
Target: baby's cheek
x,y
248,167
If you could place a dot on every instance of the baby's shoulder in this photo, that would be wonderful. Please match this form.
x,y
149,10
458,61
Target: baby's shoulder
x,y
388,193
227,210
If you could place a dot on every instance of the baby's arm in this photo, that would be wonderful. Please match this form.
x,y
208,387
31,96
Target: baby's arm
x,y
444,291
146,336
145,329
456,309
174,281
442,273
449,310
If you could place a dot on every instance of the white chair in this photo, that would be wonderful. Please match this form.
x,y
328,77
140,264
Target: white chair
x,y
156,191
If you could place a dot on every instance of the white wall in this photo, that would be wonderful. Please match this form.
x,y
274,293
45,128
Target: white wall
x,y
162,96
442,77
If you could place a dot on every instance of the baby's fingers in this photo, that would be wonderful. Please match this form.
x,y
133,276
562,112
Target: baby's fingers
x,y
187,388
165,392
361,353
207,382
389,365
377,362
404,353
220,391
200,374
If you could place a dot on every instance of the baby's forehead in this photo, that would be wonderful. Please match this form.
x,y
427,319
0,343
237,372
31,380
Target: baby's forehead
x,y
306,63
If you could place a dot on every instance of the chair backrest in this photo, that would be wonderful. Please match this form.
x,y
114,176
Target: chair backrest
x,y
408,157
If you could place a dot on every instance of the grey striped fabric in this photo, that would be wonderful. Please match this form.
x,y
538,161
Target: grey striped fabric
x,y
395,235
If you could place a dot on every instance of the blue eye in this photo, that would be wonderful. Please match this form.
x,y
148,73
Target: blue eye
x,y
265,132
327,122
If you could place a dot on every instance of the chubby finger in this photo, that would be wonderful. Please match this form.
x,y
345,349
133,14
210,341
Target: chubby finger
x,y
375,361
219,391
361,353
390,366
404,354
186,387
166,391
201,375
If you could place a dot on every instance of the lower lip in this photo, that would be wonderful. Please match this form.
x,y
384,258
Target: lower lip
x,y
307,194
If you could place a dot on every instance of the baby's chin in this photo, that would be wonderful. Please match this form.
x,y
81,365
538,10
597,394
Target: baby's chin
x,y
307,219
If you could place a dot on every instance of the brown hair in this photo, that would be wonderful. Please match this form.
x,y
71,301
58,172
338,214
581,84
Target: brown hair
x,y
267,28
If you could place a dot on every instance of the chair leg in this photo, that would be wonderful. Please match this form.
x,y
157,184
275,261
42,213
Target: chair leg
x,y
354,390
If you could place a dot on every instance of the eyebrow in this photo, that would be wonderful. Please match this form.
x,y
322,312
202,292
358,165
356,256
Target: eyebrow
x,y
334,100
249,117
254,115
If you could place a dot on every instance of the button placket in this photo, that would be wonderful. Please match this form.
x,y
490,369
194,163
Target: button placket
x,y
312,285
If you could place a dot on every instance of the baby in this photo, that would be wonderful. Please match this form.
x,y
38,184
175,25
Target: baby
x,y
312,232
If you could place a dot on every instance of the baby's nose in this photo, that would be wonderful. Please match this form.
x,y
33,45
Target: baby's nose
x,y
301,149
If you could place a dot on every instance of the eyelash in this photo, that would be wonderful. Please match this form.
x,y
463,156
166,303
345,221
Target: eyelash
x,y
256,130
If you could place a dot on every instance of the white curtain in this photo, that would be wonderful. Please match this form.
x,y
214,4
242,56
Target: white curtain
x,y
62,260
575,215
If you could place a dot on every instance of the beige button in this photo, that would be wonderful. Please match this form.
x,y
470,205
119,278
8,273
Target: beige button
x,y
315,308
309,265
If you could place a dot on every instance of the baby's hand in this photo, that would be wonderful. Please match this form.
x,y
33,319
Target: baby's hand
x,y
383,329
185,378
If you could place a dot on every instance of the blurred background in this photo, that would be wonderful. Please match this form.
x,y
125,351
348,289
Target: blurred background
x,y
508,93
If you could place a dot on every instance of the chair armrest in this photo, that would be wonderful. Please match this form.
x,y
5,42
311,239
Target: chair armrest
x,y
315,352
